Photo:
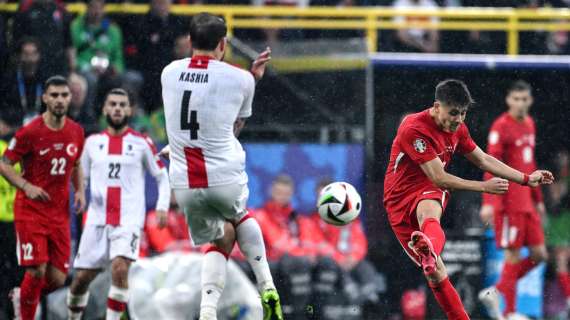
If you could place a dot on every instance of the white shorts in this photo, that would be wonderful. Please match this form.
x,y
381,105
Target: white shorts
x,y
99,245
208,209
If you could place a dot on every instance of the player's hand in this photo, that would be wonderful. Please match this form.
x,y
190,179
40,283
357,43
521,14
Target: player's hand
x,y
540,177
35,193
486,213
495,186
165,152
348,264
79,202
541,209
162,217
258,66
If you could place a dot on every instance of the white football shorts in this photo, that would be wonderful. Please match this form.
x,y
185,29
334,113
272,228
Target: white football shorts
x,y
207,209
99,245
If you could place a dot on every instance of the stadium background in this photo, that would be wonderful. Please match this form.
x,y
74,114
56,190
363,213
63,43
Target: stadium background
x,y
330,97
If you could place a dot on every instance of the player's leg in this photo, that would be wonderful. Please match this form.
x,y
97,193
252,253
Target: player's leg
x,y
231,202
119,292
92,257
124,249
214,272
562,255
78,294
32,254
428,244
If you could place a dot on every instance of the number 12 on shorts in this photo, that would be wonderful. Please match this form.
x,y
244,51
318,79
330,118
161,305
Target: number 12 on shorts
x,y
192,123
27,251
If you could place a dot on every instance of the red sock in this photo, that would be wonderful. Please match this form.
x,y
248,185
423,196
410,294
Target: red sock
x,y
507,285
525,266
433,230
449,300
564,280
30,292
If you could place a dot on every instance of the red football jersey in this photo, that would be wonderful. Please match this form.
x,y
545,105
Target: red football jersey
x,y
513,142
47,157
419,140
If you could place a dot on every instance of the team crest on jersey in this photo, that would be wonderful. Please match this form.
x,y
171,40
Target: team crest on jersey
x,y
71,149
420,145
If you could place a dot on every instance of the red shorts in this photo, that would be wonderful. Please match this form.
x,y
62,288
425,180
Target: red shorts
x,y
518,229
404,220
38,243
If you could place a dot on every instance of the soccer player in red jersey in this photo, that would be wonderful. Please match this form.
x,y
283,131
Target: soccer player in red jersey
x,y
416,185
48,148
517,214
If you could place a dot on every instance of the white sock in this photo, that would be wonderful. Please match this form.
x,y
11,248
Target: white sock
x,y
250,240
116,302
76,304
213,282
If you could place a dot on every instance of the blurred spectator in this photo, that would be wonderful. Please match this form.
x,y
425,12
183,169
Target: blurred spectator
x,y
8,263
416,40
473,41
157,33
182,47
98,48
79,110
348,246
302,276
47,21
3,45
168,233
558,230
273,35
21,87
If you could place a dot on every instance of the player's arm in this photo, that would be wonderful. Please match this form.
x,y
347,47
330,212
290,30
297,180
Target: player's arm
x,y
433,169
78,182
238,125
14,178
158,171
494,166
496,143
258,66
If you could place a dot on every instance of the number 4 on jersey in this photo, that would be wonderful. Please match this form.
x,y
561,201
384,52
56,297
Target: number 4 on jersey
x,y
191,124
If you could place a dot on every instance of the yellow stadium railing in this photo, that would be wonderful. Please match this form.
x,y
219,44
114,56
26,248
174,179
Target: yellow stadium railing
x,y
368,19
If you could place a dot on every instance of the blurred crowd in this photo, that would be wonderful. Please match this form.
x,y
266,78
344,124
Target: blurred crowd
x,y
97,51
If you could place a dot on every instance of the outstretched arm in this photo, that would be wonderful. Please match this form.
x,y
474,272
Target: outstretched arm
x,y
433,169
490,164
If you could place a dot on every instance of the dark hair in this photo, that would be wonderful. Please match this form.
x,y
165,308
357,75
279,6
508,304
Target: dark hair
x,y
119,92
57,81
454,93
519,85
206,31
283,179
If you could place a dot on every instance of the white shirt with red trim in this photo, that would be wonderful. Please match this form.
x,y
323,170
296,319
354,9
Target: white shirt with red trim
x,y
202,100
115,167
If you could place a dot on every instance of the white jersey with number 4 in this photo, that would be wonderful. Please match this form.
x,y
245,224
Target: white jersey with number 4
x,y
203,98
115,167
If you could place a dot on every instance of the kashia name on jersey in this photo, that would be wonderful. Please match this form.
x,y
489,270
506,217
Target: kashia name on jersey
x,y
193,77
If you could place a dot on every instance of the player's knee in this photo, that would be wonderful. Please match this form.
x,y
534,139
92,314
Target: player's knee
x,y
428,209
120,268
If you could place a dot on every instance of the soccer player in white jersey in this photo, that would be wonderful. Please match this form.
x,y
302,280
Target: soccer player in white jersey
x,y
114,161
205,104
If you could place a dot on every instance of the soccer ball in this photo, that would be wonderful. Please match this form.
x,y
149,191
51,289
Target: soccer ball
x,y
339,203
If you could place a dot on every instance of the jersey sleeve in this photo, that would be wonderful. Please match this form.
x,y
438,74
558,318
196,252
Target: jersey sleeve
x,y
249,88
86,160
19,146
417,145
466,144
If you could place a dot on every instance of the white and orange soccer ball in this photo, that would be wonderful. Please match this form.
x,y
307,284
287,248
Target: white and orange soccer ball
x,y
339,203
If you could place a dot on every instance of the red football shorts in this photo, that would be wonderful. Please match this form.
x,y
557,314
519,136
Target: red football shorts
x,y
38,243
517,229
403,219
